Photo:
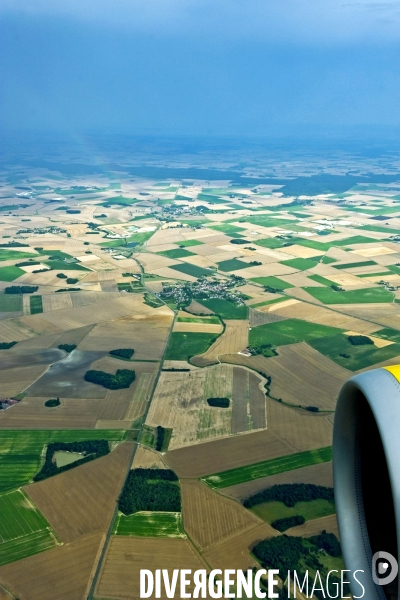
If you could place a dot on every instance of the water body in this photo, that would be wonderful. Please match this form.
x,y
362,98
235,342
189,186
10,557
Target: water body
x,y
65,378
63,458
27,358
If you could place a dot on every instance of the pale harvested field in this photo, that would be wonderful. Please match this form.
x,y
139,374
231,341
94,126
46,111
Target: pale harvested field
x,y
89,297
155,261
73,413
240,400
179,402
115,273
208,517
199,261
320,474
198,327
14,381
300,294
146,458
82,500
324,316
374,251
272,308
74,336
315,527
234,552
172,274
234,339
56,302
126,555
141,395
302,251
39,342
384,315
349,280
300,375
146,335
205,250
14,330
61,573
220,455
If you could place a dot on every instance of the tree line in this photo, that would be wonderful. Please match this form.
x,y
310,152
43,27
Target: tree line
x,y
90,449
290,494
122,378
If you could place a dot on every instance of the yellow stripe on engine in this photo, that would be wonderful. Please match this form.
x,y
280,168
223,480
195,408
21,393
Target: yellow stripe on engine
x,y
394,370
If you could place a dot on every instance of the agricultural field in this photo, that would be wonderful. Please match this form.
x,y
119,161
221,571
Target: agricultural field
x,y
314,509
268,468
10,273
184,345
21,451
226,309
150,524
233,339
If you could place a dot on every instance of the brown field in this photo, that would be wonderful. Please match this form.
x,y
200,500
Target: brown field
x,y
196,309
208,517
14,381
317,474
234,552
147,335
198,327
56,302
14,330
383,315
73,336
315,527
179,402
147,458
73,413
202,459
234,339
248,401
83,500
258,317
61,573
126,555
141,394
324,316
300,375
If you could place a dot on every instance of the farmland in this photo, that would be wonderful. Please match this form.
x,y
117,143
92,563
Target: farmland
x,y
21,451
268,467
226,309
10,273
182,346
150,524
289,331
314,509
363,296
23,529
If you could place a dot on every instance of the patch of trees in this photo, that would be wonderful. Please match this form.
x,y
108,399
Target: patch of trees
x,y
312,408
52,402
90,449
255,262
239,241
21,289
360,340
219,402
72,280
73,211
160,436
271,290
122,378
42,270
337,288
290,494
68,290
61,276
27,263
176,370
288,522
13,245
7,345
327,541
282,552
150,489
264,350
67,347
123,353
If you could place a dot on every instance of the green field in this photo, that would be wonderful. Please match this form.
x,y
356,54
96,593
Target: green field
x,y
265,302
188,243
23,529
184,345
226,309
150,524
289,331
176,253
36,304
389,334
365,296
320,279
314,509
353,265
21,451
10,303
268,467
192,270
302,264
121,200
6,254
232,264
60,265
10,273
324,246
379,229
355,357
212,319
228,229
273,282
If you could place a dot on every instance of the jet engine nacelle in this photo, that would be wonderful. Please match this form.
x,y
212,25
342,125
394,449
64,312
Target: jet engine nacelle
x,y
366,467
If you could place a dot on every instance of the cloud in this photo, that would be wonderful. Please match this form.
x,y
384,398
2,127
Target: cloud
x,y
308,21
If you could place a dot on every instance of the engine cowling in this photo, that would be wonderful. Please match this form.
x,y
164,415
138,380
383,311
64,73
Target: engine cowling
x,y
366,467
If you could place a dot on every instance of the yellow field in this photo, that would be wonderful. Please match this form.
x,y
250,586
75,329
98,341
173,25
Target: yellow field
x,y
234,339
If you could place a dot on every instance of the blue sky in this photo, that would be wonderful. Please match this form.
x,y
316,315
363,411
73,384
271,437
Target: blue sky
x,y
230,67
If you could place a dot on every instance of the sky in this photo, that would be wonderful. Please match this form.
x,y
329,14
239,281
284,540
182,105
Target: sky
x,y
199,67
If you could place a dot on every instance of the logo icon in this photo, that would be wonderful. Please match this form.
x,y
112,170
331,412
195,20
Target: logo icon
x,y
384,568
